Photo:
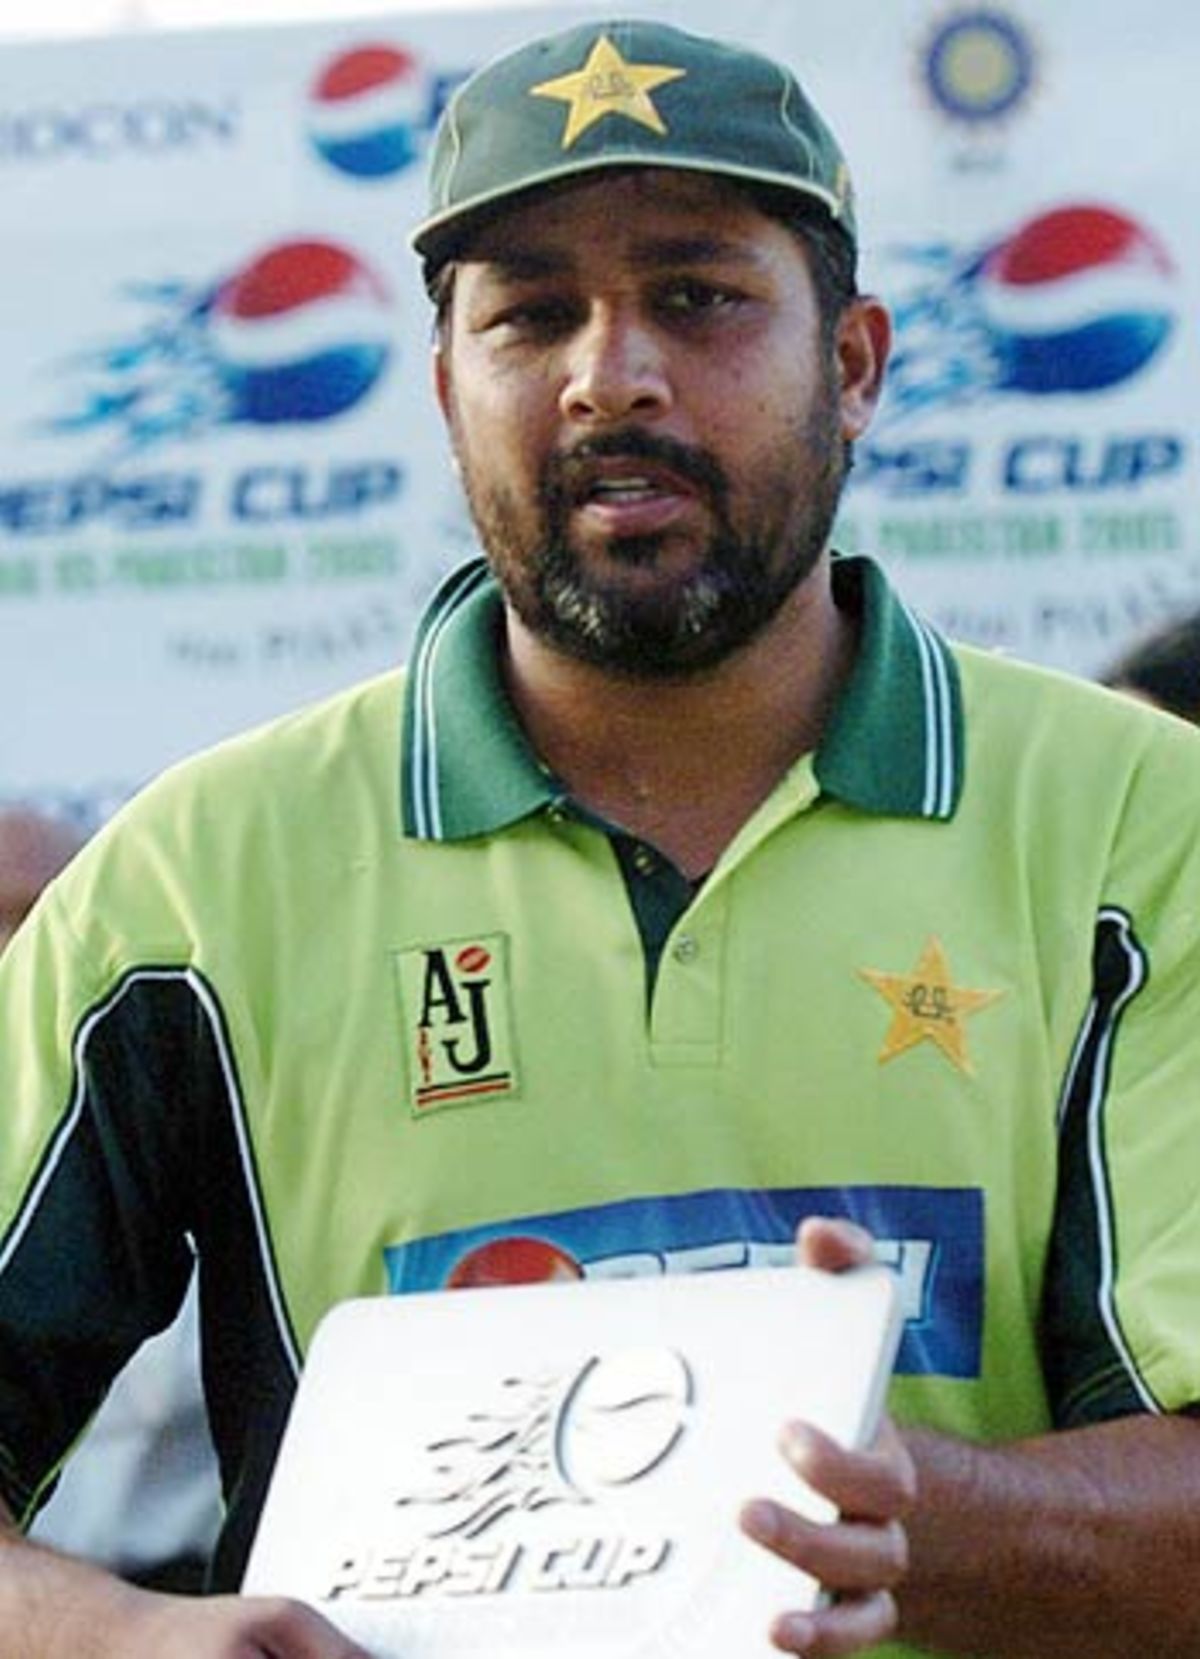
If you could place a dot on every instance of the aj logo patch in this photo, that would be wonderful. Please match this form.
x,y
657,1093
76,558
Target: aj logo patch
x,y
455,1002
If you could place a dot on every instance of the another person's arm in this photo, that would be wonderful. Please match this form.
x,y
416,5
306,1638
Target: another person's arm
x,y
51,1605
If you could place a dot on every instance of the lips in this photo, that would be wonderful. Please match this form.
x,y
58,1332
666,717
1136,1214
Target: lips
x,y
621,481
631,485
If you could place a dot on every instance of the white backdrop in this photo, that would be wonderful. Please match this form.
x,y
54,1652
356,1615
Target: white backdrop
x,y
223,486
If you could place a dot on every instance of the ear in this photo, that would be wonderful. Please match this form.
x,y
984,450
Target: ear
x,y
864,340
441,379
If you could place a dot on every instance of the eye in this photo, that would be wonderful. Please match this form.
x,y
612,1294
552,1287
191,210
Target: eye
x,y
538,317
695,297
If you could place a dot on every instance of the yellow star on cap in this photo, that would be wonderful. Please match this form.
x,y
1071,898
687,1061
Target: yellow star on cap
x,y
926,1004
607,85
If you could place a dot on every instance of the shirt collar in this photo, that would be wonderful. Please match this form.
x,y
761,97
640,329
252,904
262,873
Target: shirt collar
x,y
894,744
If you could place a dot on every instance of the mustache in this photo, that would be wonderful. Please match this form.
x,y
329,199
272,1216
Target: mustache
x,y
567,472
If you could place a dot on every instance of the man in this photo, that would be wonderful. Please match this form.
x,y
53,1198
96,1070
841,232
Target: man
x,y
1163,667
718,896
34,848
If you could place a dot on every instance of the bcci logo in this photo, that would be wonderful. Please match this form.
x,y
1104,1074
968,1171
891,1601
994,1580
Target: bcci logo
x,y
979,66
455,998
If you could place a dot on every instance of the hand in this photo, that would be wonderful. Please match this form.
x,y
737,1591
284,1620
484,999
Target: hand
x,y
232,1627
860,1558
131,1623
52,1604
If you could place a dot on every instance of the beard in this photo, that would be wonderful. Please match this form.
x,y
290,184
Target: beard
x,y
672,629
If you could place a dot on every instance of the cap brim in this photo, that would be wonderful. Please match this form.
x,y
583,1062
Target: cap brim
x,y
442,235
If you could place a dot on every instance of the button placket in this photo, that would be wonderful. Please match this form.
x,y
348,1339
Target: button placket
x,y
644,861
686,1020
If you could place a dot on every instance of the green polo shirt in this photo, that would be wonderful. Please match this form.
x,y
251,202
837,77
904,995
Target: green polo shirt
x,y
470,771
361,1002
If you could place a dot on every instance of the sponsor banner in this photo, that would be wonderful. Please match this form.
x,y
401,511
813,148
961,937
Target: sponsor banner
x,y
1030,476
225,490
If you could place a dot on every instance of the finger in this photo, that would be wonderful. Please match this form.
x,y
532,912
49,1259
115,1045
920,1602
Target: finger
x,y
292,1630
876,1483
843,1627
833,1245
843,1556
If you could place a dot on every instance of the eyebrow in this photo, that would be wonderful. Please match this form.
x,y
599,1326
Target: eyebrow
x,y
659,253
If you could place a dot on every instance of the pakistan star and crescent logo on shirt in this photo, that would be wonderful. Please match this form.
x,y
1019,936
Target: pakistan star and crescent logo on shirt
x,y
927,1006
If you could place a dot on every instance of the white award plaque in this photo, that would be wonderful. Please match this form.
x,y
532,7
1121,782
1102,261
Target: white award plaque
x,y
544,1470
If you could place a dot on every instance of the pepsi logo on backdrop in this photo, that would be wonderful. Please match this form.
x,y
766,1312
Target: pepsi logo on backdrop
x,y
1074,300
370,110
300,332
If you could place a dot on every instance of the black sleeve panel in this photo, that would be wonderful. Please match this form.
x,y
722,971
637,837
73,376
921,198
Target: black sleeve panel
x,y
1089,1368
148,1158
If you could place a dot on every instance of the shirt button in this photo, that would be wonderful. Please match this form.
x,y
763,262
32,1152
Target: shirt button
x,y
643,861
686,948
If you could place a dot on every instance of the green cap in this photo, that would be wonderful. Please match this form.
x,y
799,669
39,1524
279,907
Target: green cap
x,y
621,94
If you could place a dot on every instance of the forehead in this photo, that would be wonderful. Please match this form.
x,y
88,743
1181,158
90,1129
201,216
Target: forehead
x,y
628,204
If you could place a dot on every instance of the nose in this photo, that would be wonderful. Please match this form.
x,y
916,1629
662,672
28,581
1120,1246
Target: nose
x,y
617,368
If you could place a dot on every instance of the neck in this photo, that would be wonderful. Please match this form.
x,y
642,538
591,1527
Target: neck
x,y
683,763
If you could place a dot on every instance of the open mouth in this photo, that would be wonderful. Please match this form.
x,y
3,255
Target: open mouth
x,y
622,481
624,488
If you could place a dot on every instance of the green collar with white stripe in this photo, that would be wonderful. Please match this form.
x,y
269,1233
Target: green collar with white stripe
x,y
894,744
